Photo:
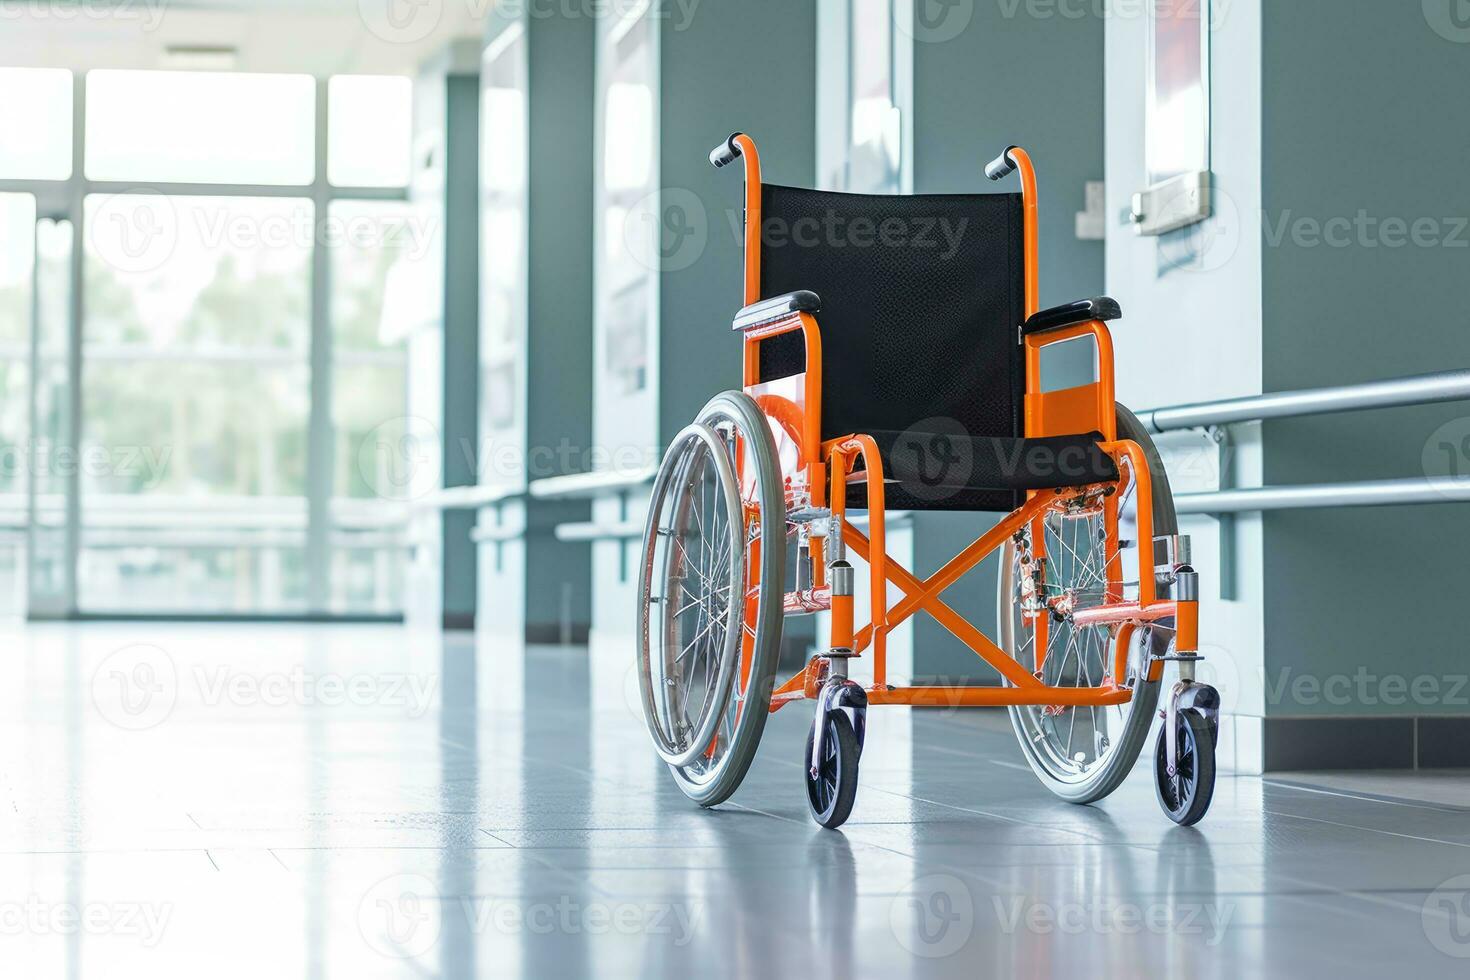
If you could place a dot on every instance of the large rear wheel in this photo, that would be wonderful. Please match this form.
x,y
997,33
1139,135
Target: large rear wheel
x,y
1061,563
710,597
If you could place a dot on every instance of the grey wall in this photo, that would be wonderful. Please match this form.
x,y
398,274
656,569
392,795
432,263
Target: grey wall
x,y
745,66
559,357
461,336
1365,113
560,266
1036,82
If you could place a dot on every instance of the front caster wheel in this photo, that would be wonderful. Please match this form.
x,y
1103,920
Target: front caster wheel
x,y
1186,795
831,792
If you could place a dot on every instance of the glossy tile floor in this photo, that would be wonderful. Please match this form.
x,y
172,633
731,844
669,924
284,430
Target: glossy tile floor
x,y
311,801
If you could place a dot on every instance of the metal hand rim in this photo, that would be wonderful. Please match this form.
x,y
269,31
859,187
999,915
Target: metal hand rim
x,y
714,706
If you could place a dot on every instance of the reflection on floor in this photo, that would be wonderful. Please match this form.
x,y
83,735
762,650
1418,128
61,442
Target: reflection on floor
x,y
308,801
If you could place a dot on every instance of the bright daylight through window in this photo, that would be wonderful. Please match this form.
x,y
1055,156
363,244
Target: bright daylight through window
x,y
194,468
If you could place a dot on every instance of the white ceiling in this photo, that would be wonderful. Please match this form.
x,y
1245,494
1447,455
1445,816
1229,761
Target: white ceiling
x,y
320,37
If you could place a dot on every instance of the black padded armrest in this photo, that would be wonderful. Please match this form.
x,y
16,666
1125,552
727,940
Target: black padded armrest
x,y
801,301
1097,308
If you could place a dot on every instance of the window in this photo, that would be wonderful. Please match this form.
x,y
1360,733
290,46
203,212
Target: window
x,y
210,468
35,123
873,123
369,130
1177,110
196,403
200,127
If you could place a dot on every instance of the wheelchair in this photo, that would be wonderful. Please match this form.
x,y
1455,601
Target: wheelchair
x,y
922,390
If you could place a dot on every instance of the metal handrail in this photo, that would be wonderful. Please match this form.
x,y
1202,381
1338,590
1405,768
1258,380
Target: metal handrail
x,y
583,486
578,531
1366,493
472,497
1419,389
496,535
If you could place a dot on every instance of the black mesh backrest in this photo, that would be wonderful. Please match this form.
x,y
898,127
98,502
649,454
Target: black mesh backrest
x,y
921,299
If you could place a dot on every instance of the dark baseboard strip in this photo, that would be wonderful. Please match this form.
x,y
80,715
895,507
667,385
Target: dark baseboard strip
x,y
1424,742
551,633
1443,742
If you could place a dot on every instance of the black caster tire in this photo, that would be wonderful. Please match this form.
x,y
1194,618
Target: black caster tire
x,y
1186,795
831,794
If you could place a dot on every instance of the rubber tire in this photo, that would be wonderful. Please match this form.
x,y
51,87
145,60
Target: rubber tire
x,y
841,734
771,614
1192,724
1146,693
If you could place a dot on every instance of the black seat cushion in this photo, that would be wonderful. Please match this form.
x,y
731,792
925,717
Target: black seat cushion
x,y
927,470
922,298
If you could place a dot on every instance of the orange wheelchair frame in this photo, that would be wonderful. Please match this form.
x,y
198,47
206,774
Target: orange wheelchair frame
x,y
816,471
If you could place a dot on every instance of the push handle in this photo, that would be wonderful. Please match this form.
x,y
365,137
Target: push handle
x,y
1002,166
726,152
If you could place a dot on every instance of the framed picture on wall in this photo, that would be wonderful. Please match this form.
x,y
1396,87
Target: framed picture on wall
x,y
1176,118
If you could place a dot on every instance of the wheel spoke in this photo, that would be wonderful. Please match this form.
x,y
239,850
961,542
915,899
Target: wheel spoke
x,y
1080,564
